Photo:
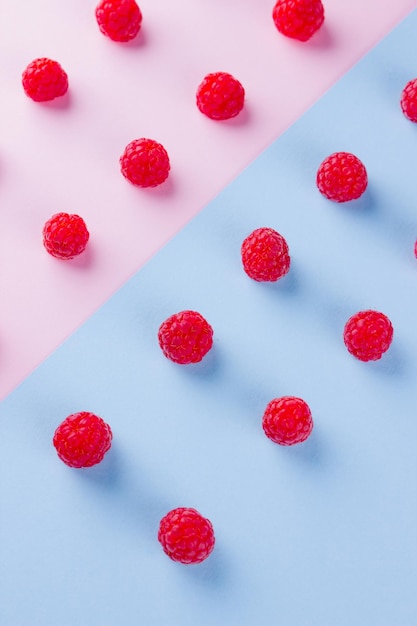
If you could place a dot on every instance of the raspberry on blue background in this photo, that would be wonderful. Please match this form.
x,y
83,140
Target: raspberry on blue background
x,y
82,439
265,255
185,337
44,80
408,100
186,536
368,335
342,177
287,420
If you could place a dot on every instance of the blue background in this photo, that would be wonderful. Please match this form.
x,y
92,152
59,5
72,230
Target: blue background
x,y
321,534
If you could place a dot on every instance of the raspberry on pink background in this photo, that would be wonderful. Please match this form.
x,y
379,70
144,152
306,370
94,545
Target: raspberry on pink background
x,y
368,335
220,96
186,536
287,420
298,19
185,337
265,255
44,80
120,20
408,100
82,439
342,177
145,163
65,236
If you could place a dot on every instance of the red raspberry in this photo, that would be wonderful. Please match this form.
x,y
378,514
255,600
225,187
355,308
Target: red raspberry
x,y
409,100
368,334
265,255
186,536
44,80
342,177
298,19
220,96
287,421
65,236
145,163
415,249
185,337
82,439
119,19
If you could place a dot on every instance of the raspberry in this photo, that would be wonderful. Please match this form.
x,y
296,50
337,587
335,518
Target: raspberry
x,y
65,236
265,255
409,100
342,177
119,19
368,334
186,536
298,19
145,163
287,421
44,80
185,337
415,249
220,96
82,439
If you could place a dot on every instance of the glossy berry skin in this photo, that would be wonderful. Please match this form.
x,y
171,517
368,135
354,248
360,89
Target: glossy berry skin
x,y
265,255
65,236
185,337
120,20
145,163
220,96
367,335
82,439
44,80
408,100
287,421
298,19
186,536
342,177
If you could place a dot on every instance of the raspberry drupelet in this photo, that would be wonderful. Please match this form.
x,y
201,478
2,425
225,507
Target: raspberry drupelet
x,y
342,177
408,100
298,19
287,420
186,536
368,334
120,20
265,255
185,337
145,163
44,80
65,236
220,96
82,439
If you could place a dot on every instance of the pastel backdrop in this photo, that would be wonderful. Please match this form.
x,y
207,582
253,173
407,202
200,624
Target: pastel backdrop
x,y
321,534
64,156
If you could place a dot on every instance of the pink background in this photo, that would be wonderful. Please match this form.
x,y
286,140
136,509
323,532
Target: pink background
x,y
64,156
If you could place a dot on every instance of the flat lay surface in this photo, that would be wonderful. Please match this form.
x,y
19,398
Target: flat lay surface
x,y
315,534
64,155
